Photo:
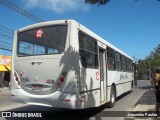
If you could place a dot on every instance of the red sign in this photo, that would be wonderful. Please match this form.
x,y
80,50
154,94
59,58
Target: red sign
x,y
97,75
39,33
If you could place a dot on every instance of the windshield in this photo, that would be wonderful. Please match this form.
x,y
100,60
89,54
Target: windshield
x,y
42,41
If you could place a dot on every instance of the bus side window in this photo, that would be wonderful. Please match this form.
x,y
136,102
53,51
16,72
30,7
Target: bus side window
x,y
130,66
127,64
123,60
110,59
82,58
118,62
88,51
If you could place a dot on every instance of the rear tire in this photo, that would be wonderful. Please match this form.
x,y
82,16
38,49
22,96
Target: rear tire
x,y
112,101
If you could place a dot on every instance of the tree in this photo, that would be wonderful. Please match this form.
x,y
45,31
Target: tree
x,y
154,57
100,2
151,62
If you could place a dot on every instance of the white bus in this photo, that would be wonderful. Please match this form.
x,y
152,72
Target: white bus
x,y
63,64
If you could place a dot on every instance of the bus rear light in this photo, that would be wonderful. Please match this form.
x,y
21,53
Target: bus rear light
x,y
67,100
62,79
16,78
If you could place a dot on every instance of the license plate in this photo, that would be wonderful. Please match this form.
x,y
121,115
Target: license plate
x,y
37,87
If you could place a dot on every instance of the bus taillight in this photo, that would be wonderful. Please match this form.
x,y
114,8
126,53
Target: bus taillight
x,y
63,77
16,78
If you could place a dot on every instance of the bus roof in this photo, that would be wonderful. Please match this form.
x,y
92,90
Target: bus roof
x,y
89,32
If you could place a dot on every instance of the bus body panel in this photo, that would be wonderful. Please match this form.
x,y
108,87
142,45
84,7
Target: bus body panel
x,y
122,80
55,99
60,80
32,74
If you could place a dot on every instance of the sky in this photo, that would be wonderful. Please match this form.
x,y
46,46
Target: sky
x,y
132,26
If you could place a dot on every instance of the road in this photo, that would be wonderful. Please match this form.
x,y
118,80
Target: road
x,y
126,102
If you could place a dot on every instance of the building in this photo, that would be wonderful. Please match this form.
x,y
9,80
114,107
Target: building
x,y
5,68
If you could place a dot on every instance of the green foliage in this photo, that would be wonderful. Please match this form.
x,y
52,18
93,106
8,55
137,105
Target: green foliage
x,y
151,62
100,2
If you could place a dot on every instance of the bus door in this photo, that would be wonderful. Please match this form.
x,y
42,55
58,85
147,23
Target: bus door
x,y
102,64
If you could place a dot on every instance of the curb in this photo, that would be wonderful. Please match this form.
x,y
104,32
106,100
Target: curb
x,y
146,104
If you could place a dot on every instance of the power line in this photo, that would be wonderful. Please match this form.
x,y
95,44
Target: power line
x,y
5,42
4,28
6,38
6,49
12,6
6,33
9,48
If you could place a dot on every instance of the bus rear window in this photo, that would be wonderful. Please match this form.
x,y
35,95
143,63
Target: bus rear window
x,y
42,41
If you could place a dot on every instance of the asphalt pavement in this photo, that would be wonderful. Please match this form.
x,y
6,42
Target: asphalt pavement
x,y
144,109
4,91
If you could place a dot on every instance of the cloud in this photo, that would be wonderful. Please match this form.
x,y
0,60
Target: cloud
x,y
58,6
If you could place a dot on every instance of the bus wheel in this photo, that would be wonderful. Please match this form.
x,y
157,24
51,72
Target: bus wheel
x,y
112,101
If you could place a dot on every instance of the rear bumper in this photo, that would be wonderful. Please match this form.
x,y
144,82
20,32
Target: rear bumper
x,y
56,99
